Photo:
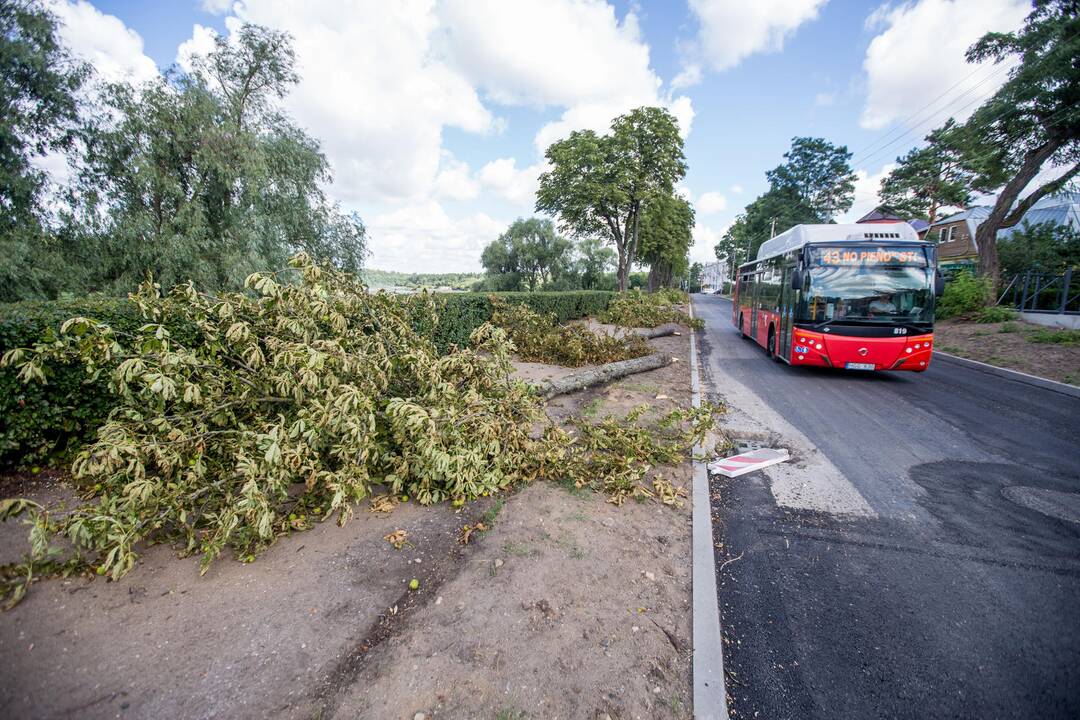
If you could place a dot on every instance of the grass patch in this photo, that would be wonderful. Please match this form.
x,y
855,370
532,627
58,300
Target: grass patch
x,y
493,512
1055,337
518,549
1010,327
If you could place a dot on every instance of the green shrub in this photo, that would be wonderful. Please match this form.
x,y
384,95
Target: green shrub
x,y
637,309
995,314
461,313
1055,337
964,294
538,338
39,422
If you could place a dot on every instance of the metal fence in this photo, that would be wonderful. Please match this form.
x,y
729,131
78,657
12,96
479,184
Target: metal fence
x,y
1044,292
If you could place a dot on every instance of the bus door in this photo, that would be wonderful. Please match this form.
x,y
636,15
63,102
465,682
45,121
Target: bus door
x,y
787,310
754,301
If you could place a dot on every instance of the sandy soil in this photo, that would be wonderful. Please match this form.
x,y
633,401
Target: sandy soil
x,y
568,607
1008,345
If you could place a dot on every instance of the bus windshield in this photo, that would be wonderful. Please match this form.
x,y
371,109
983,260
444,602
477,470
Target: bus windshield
x,y
875,285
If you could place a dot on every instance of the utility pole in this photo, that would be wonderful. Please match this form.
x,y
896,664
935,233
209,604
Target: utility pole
x,y
772,229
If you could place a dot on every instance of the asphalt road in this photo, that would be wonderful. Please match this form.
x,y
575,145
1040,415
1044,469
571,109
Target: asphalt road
x,y
957,600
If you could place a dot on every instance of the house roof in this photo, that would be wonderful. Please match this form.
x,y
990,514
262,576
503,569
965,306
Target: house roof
x,y
880,214
1061,209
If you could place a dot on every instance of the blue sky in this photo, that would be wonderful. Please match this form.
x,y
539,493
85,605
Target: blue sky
x,y
434,114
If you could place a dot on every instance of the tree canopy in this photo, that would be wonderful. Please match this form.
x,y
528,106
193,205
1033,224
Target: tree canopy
x,y
598,185
819,173
1031,121
40,115
191,176
528,255
667,226
929,178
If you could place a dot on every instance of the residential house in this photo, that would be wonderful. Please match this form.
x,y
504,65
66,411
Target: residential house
x,y
955,234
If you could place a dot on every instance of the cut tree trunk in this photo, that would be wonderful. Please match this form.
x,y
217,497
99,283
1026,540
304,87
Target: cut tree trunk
x,y
602,374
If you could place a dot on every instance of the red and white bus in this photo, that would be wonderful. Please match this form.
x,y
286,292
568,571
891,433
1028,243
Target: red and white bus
x,y
859,297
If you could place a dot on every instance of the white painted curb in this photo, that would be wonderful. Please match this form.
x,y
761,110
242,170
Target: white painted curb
x,y
1014,375
710,697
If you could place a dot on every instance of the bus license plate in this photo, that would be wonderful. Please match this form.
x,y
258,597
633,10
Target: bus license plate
x,y
859,366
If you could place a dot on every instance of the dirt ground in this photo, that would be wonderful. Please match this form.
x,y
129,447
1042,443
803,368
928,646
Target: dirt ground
x,y
1009,345
569,607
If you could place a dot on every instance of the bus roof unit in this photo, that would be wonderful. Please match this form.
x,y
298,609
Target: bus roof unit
x,y
801,235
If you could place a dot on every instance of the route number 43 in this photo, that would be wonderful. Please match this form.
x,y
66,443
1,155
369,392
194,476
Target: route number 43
x,y
899,331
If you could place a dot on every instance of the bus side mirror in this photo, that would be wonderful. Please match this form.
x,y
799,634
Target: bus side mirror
x,y
939,284
796,280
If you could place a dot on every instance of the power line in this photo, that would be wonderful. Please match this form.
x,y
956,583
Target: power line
x,y
906,120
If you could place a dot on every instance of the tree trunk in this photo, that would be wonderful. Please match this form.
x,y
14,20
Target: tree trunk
x,y
986,235
602,374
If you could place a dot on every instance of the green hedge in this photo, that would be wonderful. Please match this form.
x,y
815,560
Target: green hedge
x,y
38,421
43,422
461,313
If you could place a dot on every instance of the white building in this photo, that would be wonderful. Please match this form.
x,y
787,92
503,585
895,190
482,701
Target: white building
x,y
713,276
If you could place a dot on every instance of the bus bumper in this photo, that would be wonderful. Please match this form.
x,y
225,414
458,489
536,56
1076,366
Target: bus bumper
x,y
859,353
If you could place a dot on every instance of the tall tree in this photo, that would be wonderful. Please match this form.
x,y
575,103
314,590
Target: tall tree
x,y
929,178
594,263
667,226
599,184
819,173
38,114
529,254
199,177
773,212
1032,120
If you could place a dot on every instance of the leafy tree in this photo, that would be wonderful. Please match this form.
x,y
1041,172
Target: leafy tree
x,y
595,264
774,212
1032,120
1043,247
667,226
819,173
530,253
693,277
599,184
197,177
929,178
39,114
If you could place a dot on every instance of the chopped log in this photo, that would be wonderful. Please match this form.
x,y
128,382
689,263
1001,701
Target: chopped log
x,y
602,374
659,331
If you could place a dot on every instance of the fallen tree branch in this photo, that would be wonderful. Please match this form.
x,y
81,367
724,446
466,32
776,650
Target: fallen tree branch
x,y
602,374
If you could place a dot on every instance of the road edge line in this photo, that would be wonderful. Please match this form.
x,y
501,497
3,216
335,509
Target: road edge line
x,y
710,696
1014,375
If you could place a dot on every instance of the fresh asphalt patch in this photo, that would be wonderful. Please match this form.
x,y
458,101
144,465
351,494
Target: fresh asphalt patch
x,y
957,598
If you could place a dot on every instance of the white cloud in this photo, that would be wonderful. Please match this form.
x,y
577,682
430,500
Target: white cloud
x,y
710,203
737,189
114,50
824,99
867,187
549,52
201,43
423,238
705,238
732,30
919,55
454,180
517,186
374,90
216,7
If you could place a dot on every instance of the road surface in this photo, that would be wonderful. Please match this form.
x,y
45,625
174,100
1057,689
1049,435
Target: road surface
x,y
952,598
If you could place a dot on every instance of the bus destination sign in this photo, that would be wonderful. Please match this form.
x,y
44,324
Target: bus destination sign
x,y
870,256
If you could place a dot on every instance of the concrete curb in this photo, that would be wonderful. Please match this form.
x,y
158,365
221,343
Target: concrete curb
x,y
1014,375
710,696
